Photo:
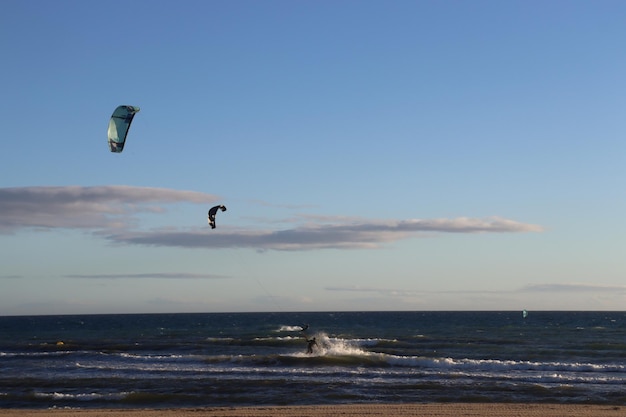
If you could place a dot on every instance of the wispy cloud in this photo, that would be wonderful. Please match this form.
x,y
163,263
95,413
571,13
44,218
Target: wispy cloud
x,y
98,207
574,288
544,288
362,235
152,275
381,291
111,212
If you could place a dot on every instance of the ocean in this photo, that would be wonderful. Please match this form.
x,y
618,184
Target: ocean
x,y
206,360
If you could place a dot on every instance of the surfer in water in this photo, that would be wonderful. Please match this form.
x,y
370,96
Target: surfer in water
x,y
310,343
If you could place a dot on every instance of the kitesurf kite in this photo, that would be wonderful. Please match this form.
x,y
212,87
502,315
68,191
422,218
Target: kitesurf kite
x,y
212,214
119,125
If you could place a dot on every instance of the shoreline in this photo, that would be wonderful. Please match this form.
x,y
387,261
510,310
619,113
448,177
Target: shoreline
x,y
346,410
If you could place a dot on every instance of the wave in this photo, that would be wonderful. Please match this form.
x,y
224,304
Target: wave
x,y
355,357
287,328
340,352
90,396
151,356
34,354
329,352
504,365
278,338
219,339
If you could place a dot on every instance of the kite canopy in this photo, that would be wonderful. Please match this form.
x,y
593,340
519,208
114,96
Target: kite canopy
x,y
119,125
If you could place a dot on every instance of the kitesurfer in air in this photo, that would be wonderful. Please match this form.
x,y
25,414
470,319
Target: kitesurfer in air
x,y
212,214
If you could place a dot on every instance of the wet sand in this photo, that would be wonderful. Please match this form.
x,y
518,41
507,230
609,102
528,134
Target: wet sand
x,y
354,410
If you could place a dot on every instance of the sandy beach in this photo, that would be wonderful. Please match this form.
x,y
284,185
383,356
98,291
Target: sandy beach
x,y
396,410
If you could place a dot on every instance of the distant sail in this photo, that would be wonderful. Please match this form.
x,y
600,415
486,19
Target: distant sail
x,y
524,314
118,127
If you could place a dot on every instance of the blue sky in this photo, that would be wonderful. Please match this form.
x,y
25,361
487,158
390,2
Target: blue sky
x,y
373,155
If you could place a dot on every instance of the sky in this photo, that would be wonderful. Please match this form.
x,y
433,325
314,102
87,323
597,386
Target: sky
x,y
372,155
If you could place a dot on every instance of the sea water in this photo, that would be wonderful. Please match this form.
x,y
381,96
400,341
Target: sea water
x,y
201,360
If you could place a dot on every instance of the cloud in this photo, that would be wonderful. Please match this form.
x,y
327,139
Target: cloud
x,y
586,288
381,291
98,207
347,235
111,212
574,288
159,275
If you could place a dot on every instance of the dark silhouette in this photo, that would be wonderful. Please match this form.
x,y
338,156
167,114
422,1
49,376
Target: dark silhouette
x,y
212,214
310,344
